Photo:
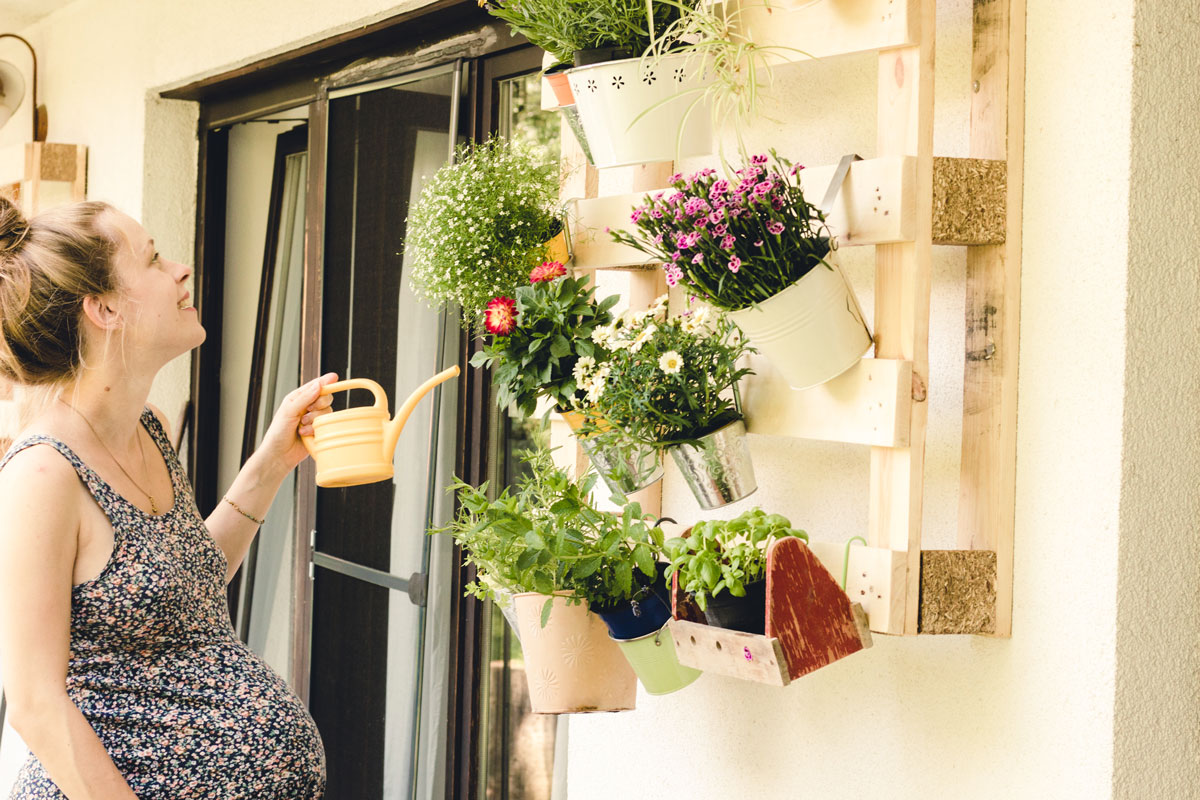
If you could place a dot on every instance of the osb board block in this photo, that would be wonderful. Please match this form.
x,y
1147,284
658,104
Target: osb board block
x,y
875,578
969,201
807,611
827,28
868,404
958,591
736,654
56,162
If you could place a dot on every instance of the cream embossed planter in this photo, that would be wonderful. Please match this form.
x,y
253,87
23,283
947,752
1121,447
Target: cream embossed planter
x,y
571,664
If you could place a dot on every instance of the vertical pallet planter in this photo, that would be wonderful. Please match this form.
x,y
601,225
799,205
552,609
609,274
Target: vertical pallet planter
x,y
810,623
903,201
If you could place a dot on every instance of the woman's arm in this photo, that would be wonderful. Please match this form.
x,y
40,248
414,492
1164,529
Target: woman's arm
x,y
255,486
39,536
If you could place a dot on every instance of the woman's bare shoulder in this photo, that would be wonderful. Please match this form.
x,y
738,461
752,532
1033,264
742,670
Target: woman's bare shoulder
x,y
37,472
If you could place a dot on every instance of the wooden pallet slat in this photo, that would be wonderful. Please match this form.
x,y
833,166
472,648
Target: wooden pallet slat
x,y
868,404
827,29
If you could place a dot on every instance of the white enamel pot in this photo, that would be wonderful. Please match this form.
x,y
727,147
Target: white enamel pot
x,y
635,111
813,330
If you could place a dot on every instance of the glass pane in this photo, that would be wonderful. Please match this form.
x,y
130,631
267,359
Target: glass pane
x,y
376,687
269,631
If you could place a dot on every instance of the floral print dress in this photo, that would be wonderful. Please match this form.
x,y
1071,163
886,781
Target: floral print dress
x,y
183,707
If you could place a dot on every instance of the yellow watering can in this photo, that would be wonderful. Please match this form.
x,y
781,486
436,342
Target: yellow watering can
x,y
355,445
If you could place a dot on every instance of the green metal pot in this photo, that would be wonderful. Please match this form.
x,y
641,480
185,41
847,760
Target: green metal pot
x,y
653,659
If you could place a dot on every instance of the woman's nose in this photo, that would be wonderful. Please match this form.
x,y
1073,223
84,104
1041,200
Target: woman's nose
x,y
182,272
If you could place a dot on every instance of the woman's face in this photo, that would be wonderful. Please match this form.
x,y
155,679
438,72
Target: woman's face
x,y
153,299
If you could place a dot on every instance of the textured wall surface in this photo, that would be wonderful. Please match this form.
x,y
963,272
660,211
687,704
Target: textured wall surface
x,y
949,717
1157,715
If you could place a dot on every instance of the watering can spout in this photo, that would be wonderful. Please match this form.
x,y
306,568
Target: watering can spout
x,y
392,429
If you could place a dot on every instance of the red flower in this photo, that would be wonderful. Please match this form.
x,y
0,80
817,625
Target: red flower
x,y
501,316
547,271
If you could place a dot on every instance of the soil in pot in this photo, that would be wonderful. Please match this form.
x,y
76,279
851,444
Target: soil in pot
x,y
746,613
635,619
598,55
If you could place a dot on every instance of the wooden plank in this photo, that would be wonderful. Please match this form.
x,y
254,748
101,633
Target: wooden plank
x,y
828,28
902,287
993,300
875,578
807,611
869,404
747,656
958,591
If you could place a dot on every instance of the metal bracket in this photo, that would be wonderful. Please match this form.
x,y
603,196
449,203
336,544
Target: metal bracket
x,y
835,184
415,586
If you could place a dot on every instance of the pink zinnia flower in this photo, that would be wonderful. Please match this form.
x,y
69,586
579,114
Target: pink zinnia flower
x,y
728,242
775,227
735,264
501,315
547,271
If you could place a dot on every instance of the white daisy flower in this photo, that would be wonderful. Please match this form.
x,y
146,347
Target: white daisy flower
x,y
670,362
582,367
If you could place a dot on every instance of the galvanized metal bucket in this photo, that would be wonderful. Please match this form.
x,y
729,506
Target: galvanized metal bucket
x,y
719,470
625,466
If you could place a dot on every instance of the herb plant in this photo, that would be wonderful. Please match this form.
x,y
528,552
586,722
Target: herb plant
x,y
671,380
481,224
562,27
546,536
542,344
733,243
720,555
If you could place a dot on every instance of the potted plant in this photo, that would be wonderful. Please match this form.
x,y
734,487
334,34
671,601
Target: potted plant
x,y
722,565
671,382
481,223
756,248
624,102
543,346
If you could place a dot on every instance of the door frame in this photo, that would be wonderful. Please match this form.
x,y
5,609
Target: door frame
x,y
443,31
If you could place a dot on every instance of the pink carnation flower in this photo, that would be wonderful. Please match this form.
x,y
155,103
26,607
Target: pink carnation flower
x,y
735,264
728,242
775,227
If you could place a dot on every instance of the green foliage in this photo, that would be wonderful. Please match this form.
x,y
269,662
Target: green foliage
x,y
721,555
739,68
481,224
546,537
671,380
555,322
561,27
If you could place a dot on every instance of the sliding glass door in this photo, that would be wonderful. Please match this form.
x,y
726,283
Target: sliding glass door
x,y
377,677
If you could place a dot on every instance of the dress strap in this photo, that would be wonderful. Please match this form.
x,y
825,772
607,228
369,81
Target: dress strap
x,y
105,495
154,427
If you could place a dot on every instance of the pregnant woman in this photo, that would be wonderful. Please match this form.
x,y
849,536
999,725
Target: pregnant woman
x,y
120,664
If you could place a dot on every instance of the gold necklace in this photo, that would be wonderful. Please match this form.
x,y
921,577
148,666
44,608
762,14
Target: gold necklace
x,y
141,448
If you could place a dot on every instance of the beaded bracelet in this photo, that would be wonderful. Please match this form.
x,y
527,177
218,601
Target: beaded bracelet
x,y
238,508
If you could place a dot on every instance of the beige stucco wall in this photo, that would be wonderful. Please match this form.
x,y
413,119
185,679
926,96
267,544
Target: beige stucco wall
x,y
1096,692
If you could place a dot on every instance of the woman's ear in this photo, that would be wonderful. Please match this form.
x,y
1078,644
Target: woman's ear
x,y
101,311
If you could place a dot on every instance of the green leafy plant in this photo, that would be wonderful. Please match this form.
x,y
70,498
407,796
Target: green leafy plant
x,y
543,349
733,243
725,555
739,68
562,27
546,536
481,224
671,380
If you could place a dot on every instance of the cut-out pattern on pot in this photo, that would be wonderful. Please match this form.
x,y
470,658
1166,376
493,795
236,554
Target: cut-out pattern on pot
x,y
630,117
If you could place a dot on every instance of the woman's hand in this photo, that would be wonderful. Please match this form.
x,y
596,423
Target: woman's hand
x,y
281,449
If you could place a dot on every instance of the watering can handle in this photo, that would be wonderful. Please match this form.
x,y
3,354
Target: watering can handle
x,y
381,400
